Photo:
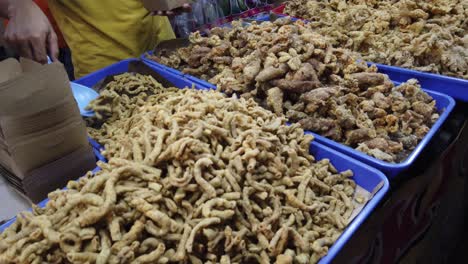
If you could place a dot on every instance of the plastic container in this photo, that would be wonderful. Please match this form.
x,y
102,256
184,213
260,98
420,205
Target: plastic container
x,y
368,178
197,81
121,67
97,150
455,87
390,169
443,102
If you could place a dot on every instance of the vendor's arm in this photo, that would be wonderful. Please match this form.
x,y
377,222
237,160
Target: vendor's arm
x,y
29,31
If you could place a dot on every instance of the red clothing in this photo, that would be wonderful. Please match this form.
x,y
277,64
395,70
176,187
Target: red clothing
x,y
42,4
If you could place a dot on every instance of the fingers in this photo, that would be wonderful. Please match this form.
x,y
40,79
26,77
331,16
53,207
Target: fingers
x,y
33,47
24,49
38,48
52,46
20,45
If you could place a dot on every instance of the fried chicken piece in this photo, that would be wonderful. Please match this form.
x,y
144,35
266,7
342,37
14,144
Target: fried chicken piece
x,y
275,100
379,143
252,69
317,124
317,97
381,101
345,117
353,137
375,152
295,86
423,108
368,79
296,116
271,73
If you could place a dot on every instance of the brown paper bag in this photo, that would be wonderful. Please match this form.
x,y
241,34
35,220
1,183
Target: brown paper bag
x,y
33,92
43,139
36,150
37,184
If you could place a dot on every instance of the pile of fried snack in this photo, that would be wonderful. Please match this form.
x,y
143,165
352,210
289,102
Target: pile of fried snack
x,y
288,68
429,36
193,177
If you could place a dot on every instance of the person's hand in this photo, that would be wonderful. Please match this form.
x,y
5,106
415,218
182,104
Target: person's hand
x,y
30,33
174,12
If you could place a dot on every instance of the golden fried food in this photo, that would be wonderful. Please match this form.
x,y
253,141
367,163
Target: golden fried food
x,y
127,91
193,177
290,69
430,36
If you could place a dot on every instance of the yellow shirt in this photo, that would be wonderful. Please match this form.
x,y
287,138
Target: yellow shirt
x,y
102,32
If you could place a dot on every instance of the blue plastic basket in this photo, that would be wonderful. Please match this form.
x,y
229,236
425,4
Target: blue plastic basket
x,y
97,150
199,82
122,66
444,103
455,87
368,178
365,176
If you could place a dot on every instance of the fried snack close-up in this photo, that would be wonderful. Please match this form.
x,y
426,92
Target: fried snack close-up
x,y
196,177
429,36
290,69
119,98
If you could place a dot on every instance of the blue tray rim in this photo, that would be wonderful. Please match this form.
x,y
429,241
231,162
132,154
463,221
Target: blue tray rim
x,y
414,154
367,209
398,69
175,71
353,225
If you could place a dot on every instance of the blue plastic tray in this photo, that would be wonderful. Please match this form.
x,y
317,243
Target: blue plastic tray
x,y
198,81
97,149
365,176
122,66
368,178
444,103
455,87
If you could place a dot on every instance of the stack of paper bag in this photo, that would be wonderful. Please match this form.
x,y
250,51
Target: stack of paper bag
x,y
43,140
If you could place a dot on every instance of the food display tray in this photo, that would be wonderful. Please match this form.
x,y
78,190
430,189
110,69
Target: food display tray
x,y
370,179
199,82
455,87
94,78
444,103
